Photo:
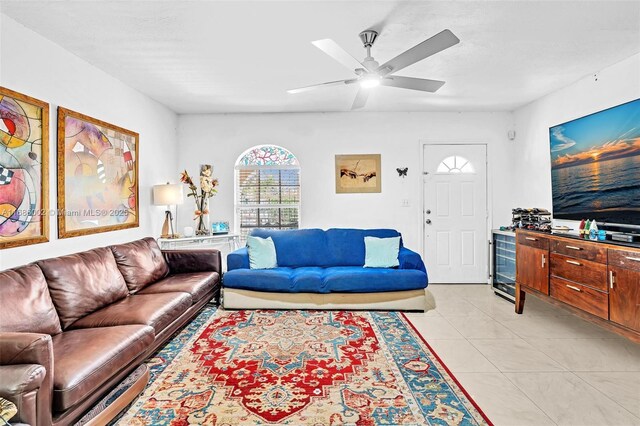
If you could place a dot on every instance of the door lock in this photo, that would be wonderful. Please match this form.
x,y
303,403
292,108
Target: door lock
x,y
428,221
427,211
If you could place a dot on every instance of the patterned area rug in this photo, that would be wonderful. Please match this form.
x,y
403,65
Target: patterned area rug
x,y
301,368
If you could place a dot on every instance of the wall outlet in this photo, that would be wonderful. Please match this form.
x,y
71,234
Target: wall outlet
x,y
405,203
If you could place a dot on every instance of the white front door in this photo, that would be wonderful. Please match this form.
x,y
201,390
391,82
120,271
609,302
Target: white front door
x,y
455,213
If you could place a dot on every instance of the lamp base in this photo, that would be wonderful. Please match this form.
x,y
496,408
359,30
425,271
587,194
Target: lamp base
x,y
167,225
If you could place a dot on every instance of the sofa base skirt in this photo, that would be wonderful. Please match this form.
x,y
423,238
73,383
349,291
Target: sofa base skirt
x,y
408,300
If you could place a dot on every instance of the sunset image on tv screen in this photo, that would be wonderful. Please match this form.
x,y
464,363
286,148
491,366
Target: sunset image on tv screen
x,y
595,166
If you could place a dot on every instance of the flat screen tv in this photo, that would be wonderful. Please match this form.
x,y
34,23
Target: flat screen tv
x,y
595,166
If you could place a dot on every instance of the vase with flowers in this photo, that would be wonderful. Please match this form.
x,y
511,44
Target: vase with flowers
x,y
207,190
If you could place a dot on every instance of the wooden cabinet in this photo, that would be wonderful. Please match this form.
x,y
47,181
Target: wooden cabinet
x,y
599,281
624,288
532,268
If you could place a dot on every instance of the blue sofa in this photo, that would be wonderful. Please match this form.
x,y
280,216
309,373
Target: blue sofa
x,y
324,269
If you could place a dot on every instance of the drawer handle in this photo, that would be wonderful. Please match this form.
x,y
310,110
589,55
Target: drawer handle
x,y
574,248
573,262
635,259
530,238
544,260
573,287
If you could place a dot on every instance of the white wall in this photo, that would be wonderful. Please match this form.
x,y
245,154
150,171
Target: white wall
x,y
615,85
315,138
35,66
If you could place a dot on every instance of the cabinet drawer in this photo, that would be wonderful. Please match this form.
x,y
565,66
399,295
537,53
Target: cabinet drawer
x,y
581,297
625,259
533,240
580,250
580,271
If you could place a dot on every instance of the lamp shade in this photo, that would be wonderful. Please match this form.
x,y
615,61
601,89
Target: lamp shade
x,y
168,194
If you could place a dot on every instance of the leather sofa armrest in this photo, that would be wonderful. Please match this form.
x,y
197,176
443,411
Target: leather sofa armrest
x,y
20,384
238,259
20,378
25,348
32,395
410,260
200,260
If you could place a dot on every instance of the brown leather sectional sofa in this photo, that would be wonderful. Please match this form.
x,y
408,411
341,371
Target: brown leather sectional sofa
x,y
73,327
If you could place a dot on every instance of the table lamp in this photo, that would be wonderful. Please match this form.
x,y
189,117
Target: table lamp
x,y
168,195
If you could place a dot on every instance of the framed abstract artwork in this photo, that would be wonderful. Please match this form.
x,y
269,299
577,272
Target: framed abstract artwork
x,y
24,170
97,176
358,173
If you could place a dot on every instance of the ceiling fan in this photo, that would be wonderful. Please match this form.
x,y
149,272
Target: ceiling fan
x,y
371,74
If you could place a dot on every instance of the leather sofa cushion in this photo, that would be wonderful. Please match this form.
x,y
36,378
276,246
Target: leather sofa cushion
x,y
156,310
82,283
140,262
25,290
197,284
87,358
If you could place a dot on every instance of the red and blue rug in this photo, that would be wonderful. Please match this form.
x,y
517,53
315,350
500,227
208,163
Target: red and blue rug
x,y
301,368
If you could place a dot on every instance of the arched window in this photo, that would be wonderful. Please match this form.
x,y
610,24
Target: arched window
x,y
267,189
455,164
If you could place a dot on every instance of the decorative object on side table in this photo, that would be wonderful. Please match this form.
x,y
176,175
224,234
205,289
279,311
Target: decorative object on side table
x,y
207,190
97,176
24,170
220,228
358,173
168,195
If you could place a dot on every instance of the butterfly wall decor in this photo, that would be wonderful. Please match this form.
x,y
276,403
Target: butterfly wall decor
x,y
402,172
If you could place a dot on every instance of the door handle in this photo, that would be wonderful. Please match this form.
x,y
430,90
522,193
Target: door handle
x,y
428,221
427,211
612,279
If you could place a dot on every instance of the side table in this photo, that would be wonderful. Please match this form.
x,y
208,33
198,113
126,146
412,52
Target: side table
x,y
225,242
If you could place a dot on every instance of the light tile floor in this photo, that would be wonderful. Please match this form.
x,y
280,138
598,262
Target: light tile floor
x,y
543,367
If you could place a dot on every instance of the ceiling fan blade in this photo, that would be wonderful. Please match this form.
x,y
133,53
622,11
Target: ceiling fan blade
x,y
361,99
316,86
421,84
332,49
431,46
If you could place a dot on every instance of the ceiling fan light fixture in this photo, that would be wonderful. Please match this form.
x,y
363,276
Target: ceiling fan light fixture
x,y
369,81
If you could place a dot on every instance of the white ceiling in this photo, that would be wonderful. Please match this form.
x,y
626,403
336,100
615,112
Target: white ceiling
x,y
204,56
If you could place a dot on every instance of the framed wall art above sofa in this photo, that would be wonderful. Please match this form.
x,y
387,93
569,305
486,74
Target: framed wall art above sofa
x,y
97,176
24,170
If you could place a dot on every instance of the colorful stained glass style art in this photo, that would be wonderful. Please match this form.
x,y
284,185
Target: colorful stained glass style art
x,y
24,170
268,155
97,176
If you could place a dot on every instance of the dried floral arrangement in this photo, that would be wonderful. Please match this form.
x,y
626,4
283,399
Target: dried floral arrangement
x,y
208,185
